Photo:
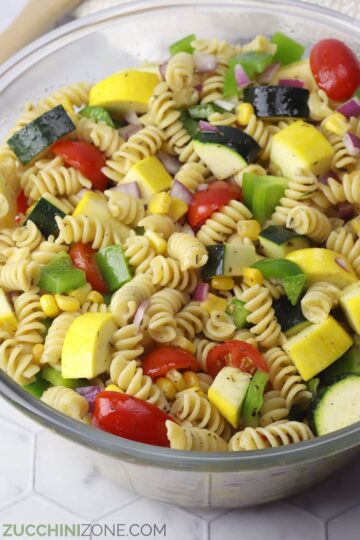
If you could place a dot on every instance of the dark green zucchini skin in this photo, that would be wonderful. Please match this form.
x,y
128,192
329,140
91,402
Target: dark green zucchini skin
x,y
43,215
288,316
40,134
278,101
232,138
215,262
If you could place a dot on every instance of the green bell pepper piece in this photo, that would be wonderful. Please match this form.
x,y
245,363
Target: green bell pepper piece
x,y
288,50
60,275
262,194
202,112
183,45
254,399
238,313
38,387
253,62
139,231
50,375
98,114
107,298
313,385
189,124
114,266
290,274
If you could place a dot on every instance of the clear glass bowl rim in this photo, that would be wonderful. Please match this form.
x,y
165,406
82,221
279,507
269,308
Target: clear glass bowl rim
x,y
117,447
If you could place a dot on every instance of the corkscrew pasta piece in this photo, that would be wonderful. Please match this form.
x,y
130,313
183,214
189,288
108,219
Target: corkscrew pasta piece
x,y
77,94
57,181
31,112
351,185
191,175
310,222
192,319
342,159
285,378
215,47
192,438
278,434
190,407
203,347
163,307
222,119
319,300
262,316
251,169
260,44
299,190
162,225
17,361
319,105
128,341
28,176
188,250
126,300
219,326
223,223
273,409
262,135
343,242
47,250
180,71
30,316
28,236
55,338
126,208
19,275
275,289
90,231
166,272
94,307
104,137
66,401
245,335
139,253
213,85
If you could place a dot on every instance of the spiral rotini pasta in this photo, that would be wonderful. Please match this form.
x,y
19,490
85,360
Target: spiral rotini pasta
x,y
203,347
342,159
262,135
319,300
166,272
54,340
28,236
29,314
161,321
17,362
319,105
223,223
126,300
90,231
245,335
57,181
127,340
126,208
273,409
47,250
343,243
104,137
19,275
213,85
191,175
180,71
215,47
77,94
285,378
162,225
192,319
278,434
66,401
310,222
139,253
223,119
192,438
188,250
219,326
94,307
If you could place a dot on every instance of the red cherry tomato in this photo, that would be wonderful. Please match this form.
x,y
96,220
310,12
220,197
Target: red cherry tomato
x,y
335,68
131,418
82,255
21,203
235,353
84,157
204,203
159,361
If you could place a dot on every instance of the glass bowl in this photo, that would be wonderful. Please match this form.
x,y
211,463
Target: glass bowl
x,y
90,49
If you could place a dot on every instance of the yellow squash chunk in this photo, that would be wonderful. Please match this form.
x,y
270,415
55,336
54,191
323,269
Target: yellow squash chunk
x,y
151,176
317,346
301,145
297,70
8,321
214,303
227,393
9,184
94,206
320,264
128,90
178,209
86,352
160,203
350,302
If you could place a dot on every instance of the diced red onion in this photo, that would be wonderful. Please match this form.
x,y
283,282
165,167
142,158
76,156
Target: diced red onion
x,y
206,126
187,229
226,105
162,69
205,62
132,118
89,393
346,211
179,191
140,312
198,87
269,72
291,82
342,264
201,292
130,188
350,108
325,177
128,131
352,144
171,163
203,187
241,77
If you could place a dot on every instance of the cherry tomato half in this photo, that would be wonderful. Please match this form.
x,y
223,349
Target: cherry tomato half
x,y
159,361
335,68
131,418
21,203
84,157
82,255
204,203
235,353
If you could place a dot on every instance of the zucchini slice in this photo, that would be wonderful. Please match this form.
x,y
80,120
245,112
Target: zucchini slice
x,y
278,101
276,242
290,318
44,213
228,260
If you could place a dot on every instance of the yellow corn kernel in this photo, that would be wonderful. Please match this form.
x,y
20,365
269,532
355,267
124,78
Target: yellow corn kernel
x,y
244,113
184,343
67,303
191,379
156,241
37,351
336,123
95,297
113,388
214,303
177,379
168,387
49,306
222,283
249,228
252,276
160,203
82,293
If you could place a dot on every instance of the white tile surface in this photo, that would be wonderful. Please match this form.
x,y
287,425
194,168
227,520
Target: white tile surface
x,y
346,526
